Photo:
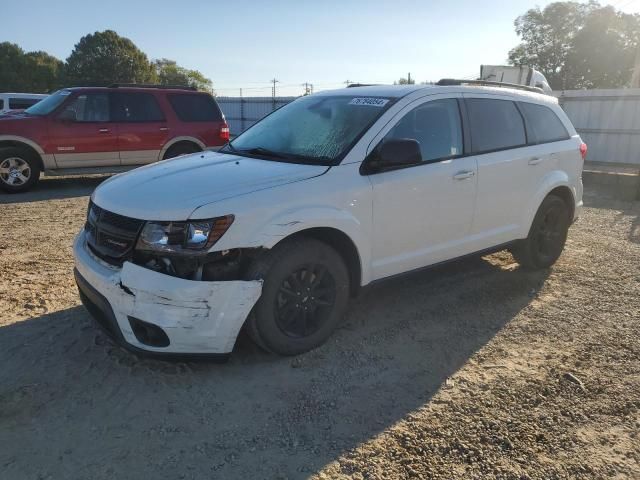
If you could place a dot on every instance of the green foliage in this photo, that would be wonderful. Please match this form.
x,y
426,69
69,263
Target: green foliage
x,y
578,45
106,57
33,72
168,72
98,59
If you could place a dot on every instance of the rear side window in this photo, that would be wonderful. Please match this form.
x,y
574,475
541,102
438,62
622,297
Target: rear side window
x,y
195,107
136,107
543,125
495,125
1,104
22,103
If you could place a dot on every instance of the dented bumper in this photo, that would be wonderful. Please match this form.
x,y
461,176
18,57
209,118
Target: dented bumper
x,y
198,317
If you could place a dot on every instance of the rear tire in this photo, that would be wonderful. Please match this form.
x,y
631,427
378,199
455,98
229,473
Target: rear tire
x,y
547,235
19,170
304,296
181,149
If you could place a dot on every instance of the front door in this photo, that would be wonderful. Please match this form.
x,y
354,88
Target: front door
x,y
143,129
82,134
423,214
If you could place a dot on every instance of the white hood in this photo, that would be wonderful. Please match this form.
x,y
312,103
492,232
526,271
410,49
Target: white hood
x,y
173,189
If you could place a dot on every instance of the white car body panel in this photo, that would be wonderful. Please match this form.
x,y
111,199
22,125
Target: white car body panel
x,y
397,220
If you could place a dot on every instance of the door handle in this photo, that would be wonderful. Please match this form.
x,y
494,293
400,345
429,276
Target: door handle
x,y
104,130
164,129
535,161
464,175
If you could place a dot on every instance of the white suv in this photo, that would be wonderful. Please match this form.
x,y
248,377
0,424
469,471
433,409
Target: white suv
x,y
18,101
330,193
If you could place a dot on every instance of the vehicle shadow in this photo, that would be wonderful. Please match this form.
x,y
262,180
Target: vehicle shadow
x,y
73,402
55,188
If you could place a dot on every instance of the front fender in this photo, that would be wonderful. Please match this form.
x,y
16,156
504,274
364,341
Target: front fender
x,y
552,180
268,233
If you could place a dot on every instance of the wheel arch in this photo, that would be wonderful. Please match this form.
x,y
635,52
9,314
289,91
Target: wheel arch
x,y
26,144
556,183
178,140
343,245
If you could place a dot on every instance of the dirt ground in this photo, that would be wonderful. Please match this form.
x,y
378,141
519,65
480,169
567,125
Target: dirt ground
x,y
473,370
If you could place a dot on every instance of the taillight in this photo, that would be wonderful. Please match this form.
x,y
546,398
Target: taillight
x,y
583,150
224,132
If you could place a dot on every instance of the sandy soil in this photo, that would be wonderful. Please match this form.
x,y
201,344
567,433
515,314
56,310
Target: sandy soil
x,y
473,370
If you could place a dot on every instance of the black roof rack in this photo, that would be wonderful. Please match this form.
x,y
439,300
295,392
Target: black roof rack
x,y
148,85
452,81
351,85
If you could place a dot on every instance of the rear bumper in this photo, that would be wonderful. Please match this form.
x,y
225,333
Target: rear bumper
x,y
199,318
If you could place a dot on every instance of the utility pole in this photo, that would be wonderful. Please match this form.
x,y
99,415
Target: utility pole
x,y
409,78
273,89
273,93
308,88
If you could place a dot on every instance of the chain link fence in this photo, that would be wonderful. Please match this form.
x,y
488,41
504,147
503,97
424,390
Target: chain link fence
x,y
242,112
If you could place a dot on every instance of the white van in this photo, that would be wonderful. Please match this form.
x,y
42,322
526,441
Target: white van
x,y
328,194
18,101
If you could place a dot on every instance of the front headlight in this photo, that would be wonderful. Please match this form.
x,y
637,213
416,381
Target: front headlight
x,y
190,237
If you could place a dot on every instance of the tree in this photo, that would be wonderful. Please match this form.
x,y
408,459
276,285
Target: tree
x,y
43,72
405,81
578,45
106,57
168,72
33,72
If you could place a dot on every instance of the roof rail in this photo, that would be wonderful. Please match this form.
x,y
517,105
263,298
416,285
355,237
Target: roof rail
x,y
451,81
148,85
351,85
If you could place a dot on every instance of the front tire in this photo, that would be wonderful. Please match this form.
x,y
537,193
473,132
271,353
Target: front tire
x,y
19,170
547,235
304,296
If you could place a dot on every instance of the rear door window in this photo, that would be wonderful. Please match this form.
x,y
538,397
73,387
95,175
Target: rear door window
x,y
136,107
22,103
195,107
543,125
495,125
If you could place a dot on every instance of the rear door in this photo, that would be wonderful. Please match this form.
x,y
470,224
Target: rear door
x,y
142,127
505,176
82,134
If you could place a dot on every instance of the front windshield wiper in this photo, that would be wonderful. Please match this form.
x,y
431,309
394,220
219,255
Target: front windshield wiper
x,y
264,151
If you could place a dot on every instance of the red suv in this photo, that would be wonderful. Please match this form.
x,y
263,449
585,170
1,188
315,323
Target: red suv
x,y
106,130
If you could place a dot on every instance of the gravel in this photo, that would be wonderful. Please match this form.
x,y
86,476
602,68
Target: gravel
x,y
472,370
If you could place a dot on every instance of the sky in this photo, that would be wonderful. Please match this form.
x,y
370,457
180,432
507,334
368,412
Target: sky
x,y
244,44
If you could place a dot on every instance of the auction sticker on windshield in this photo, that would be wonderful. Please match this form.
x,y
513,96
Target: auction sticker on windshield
x,y
369,101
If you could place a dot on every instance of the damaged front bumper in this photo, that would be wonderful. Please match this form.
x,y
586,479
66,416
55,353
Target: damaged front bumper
x,y
156,313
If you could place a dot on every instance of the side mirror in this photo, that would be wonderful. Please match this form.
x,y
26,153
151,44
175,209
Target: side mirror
x,y
395,153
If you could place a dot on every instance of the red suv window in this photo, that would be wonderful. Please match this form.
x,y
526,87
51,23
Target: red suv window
x,y
194,107
135,107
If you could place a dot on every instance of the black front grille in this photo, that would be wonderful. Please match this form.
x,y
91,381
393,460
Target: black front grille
x,y
111,236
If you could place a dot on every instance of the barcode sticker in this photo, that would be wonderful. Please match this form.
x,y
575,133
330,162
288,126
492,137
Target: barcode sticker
x,y
369,101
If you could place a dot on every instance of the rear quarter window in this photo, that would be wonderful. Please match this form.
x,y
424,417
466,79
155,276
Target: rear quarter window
x,y
543,125
495,125
193,107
